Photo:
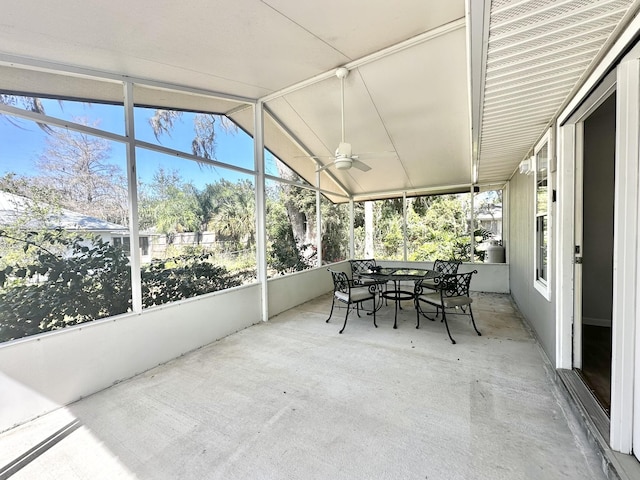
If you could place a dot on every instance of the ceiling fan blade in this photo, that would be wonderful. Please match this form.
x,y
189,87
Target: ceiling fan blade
x,y
360,165
313,156
384,154
324,167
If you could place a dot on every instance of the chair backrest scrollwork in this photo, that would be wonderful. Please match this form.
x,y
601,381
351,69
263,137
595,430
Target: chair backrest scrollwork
x,y
360,266
456,285
446,267
340,281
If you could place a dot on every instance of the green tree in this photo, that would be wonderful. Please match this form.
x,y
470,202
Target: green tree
x,y
169,205
229,209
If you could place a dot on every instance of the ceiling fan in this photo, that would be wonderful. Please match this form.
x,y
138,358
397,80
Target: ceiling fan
x,y
343,158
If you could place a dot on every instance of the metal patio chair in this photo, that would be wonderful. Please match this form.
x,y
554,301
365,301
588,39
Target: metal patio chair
x,y
444,267
345,291
451,295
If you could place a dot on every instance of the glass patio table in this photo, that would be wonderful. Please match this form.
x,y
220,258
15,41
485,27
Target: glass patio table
x,y
397,276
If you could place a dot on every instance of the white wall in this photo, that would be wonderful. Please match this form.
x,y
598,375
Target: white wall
x,y
536,309
288,291
41,373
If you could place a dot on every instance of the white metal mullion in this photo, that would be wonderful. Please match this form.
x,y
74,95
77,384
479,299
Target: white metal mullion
x,y
351,229
318,222
260,196
190,156
132,188
59,122
471,226
506,210
404,225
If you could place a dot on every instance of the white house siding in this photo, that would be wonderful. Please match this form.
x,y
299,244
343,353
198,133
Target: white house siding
x,y
537,310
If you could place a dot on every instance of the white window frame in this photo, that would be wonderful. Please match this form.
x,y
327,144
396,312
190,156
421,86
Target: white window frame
x,y
542,283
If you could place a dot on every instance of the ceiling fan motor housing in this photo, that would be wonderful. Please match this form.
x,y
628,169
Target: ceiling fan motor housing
x,y
343,150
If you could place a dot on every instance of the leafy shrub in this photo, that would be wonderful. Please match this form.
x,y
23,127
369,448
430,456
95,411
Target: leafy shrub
x,y
70,279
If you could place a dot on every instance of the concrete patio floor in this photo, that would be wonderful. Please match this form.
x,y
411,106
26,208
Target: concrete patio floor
x,y
292,399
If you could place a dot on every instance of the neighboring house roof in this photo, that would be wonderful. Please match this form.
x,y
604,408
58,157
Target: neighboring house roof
x,y
14,207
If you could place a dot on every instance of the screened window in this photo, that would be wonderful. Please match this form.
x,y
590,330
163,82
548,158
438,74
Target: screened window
x,y
64,201
542,224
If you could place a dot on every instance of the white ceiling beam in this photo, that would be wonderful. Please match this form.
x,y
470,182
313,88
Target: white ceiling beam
x,y
412,191
478,13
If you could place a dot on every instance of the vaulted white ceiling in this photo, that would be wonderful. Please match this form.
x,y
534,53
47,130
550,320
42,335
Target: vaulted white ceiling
x,y
444,96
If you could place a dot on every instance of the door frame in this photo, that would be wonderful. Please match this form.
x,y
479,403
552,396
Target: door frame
x,y
625,377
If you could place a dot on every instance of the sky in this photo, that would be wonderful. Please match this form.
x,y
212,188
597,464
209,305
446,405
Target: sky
x,y
22,142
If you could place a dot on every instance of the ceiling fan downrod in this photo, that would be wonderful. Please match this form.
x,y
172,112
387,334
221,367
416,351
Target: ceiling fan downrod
x,y
342,73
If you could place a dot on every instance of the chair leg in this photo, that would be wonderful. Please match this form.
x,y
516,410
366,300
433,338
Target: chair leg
x,y
417,305
373,303
333,302
444,319
424,314
345,318
474,322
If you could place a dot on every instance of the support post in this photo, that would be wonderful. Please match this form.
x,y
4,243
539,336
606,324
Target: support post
x,y
132,188
261,236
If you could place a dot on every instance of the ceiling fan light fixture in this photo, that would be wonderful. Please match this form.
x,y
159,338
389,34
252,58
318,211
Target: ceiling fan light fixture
x,y
342,163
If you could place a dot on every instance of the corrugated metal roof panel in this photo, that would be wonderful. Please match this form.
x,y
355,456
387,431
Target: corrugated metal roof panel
x,y
537,51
